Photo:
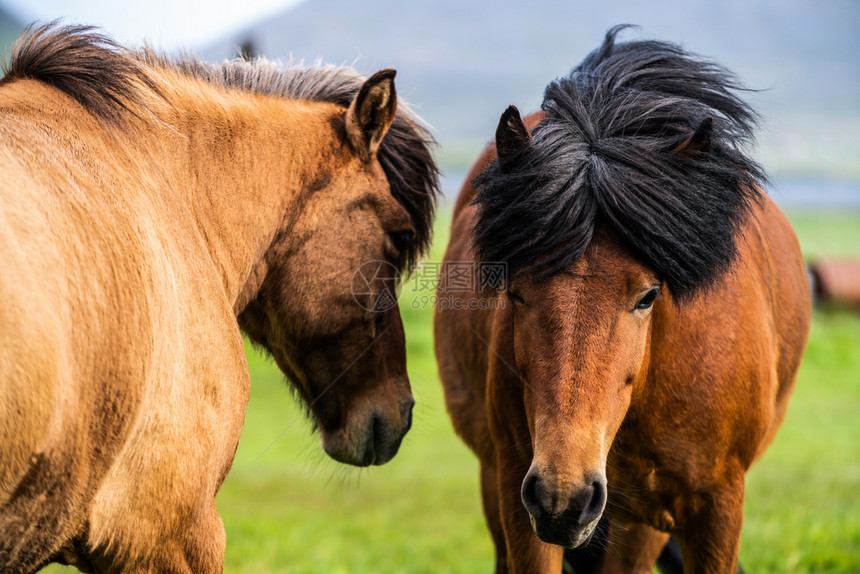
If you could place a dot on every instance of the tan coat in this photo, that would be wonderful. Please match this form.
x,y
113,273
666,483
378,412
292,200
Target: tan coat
x,y
130,242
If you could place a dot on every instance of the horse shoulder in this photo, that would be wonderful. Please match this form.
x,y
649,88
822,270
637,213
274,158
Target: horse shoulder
x,y
182,436
118,342
734,348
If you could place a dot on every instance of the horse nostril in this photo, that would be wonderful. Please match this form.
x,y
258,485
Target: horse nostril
x,y
378,428
589,502
598,498
375,444
384,436
536,498
407,415
528,494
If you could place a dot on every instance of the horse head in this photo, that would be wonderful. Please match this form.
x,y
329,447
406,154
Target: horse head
x,y
326,308
594,228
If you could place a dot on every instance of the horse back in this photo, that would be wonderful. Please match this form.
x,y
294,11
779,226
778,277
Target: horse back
x,y
462,337
789,303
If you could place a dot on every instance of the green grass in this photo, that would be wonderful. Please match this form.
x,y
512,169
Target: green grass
x,y
825,233
288,508
802,511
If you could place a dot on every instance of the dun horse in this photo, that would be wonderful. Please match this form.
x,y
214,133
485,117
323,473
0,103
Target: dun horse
x,y
152,208
652,322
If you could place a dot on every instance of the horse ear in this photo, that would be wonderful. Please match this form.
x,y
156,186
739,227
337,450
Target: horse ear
x,y
371,112
697,145
511,136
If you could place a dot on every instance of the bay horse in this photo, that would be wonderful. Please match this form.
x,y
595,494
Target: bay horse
x,y
152,209
647,337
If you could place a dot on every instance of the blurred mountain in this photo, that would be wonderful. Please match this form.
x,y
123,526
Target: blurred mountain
x,y
461,63
10,28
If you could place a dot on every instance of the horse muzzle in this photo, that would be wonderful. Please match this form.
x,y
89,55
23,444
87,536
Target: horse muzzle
x,y
565,516
374,439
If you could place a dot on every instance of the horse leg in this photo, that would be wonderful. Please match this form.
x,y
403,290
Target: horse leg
x,y
634,548
525,551
205,543
197,547
490,500
710,539
47,508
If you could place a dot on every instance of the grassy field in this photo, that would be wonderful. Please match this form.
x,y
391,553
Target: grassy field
x,y
802,510
288,508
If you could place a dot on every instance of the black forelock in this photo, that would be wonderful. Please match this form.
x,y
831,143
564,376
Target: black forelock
x,y
604,155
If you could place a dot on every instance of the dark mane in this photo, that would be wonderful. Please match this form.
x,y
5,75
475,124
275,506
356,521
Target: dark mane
x,y
603,155
405,153
86,65
110,80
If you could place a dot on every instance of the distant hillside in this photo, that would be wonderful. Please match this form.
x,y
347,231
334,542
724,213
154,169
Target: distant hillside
x,y
10,28
461,63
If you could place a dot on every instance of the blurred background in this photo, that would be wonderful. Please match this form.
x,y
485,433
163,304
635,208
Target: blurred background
x,y
288,508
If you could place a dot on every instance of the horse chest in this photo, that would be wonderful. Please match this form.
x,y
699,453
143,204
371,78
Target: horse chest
x,y
646,487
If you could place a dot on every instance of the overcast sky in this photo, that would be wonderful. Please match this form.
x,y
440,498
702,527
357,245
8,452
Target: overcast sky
x,y
167,24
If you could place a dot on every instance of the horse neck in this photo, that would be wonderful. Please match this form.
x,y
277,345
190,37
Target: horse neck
x,y
242,168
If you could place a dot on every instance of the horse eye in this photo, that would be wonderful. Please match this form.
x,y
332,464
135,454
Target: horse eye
x,y
515,298
648,300
401,239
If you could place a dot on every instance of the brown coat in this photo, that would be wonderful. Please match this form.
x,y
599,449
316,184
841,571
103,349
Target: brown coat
x,y
702,389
